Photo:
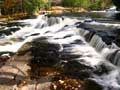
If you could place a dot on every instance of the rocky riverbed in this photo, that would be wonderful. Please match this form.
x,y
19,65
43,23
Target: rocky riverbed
x,y
54,53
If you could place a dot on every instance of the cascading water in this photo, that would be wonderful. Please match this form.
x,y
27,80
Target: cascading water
x,y
102,36
72,43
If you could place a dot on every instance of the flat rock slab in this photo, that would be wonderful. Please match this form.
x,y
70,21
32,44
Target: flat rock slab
x,y
14,76
43,86
12,73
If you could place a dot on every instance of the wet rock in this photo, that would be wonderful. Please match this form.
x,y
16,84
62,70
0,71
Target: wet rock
x,y
45,53
8,31
92,85
103,68
24,49
14,70
117,41
10,24
107,37
42,86
3,60
9,54
89,36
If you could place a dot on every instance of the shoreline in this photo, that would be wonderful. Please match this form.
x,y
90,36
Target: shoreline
x,y
53,10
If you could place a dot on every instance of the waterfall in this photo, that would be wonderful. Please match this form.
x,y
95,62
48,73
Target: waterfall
x,y
100,45
73,45
83,32
93,39
17,39
97,42
114,57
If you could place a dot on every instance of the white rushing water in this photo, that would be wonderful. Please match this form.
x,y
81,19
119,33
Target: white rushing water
x,y
62,32
108,12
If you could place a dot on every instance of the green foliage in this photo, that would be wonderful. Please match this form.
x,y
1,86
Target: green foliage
x,y
28,6
31,6
97,5
88,4
71,3
76,3
85,4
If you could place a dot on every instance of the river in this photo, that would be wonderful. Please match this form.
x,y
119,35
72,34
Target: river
x,y
93,43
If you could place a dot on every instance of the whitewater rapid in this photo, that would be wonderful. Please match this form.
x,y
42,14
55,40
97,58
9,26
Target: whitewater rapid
x,y
64,32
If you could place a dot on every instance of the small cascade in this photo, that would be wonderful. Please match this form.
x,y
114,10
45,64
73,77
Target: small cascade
x,y
84,32
97,42
93,39
117,59
18,38
102,39
100,45
89,36
114,57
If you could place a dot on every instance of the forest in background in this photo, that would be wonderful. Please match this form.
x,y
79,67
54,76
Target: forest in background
x,y
31,6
